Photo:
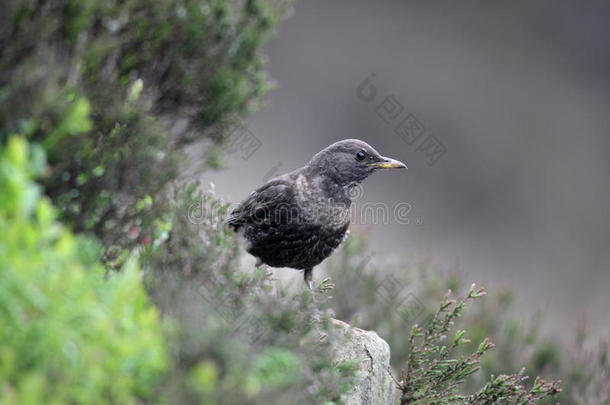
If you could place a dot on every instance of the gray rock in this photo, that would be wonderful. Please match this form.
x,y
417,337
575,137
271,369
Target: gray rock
x,y
375,386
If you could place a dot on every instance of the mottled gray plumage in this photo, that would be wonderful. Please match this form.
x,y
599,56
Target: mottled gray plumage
x,y
298,219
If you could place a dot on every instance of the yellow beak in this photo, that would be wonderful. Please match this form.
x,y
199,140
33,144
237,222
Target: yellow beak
x,y
389,163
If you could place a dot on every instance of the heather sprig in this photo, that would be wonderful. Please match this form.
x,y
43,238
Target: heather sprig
x,y
433,376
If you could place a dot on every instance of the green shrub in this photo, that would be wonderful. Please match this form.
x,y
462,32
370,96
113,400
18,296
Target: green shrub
x,y
434,372
115,90
586,370
240,338
66,334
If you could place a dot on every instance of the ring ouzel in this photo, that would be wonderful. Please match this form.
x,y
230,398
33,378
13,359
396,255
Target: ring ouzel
x,y
298,219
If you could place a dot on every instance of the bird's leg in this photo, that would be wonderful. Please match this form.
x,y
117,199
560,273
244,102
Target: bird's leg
x,y
308,277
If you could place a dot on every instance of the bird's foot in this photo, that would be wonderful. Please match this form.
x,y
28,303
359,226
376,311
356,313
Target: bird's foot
x,y
315,314
268,271
325,285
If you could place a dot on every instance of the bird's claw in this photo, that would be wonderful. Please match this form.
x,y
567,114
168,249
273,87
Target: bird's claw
x,y
325,285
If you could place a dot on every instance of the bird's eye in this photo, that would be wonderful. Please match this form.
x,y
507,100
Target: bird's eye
x,y
361,155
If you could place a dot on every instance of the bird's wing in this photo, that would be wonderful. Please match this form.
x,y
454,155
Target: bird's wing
x,y
262,203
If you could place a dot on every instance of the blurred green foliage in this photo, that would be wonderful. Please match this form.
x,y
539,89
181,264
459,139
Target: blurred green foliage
x,y
66,334
114,90
69,335
435,370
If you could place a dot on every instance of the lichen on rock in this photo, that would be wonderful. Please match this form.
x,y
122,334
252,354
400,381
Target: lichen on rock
x,y
375,385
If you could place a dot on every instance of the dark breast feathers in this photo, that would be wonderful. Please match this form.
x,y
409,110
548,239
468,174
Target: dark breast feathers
x,y
284,228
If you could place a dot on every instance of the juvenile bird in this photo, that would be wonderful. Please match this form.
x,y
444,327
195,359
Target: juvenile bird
x,y
298,219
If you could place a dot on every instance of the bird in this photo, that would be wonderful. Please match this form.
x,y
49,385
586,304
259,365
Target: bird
x,y
298,219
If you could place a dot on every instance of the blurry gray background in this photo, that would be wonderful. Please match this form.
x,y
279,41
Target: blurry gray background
x,y
518,93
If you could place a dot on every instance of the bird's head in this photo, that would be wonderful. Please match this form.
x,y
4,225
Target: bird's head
x,y
350,161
